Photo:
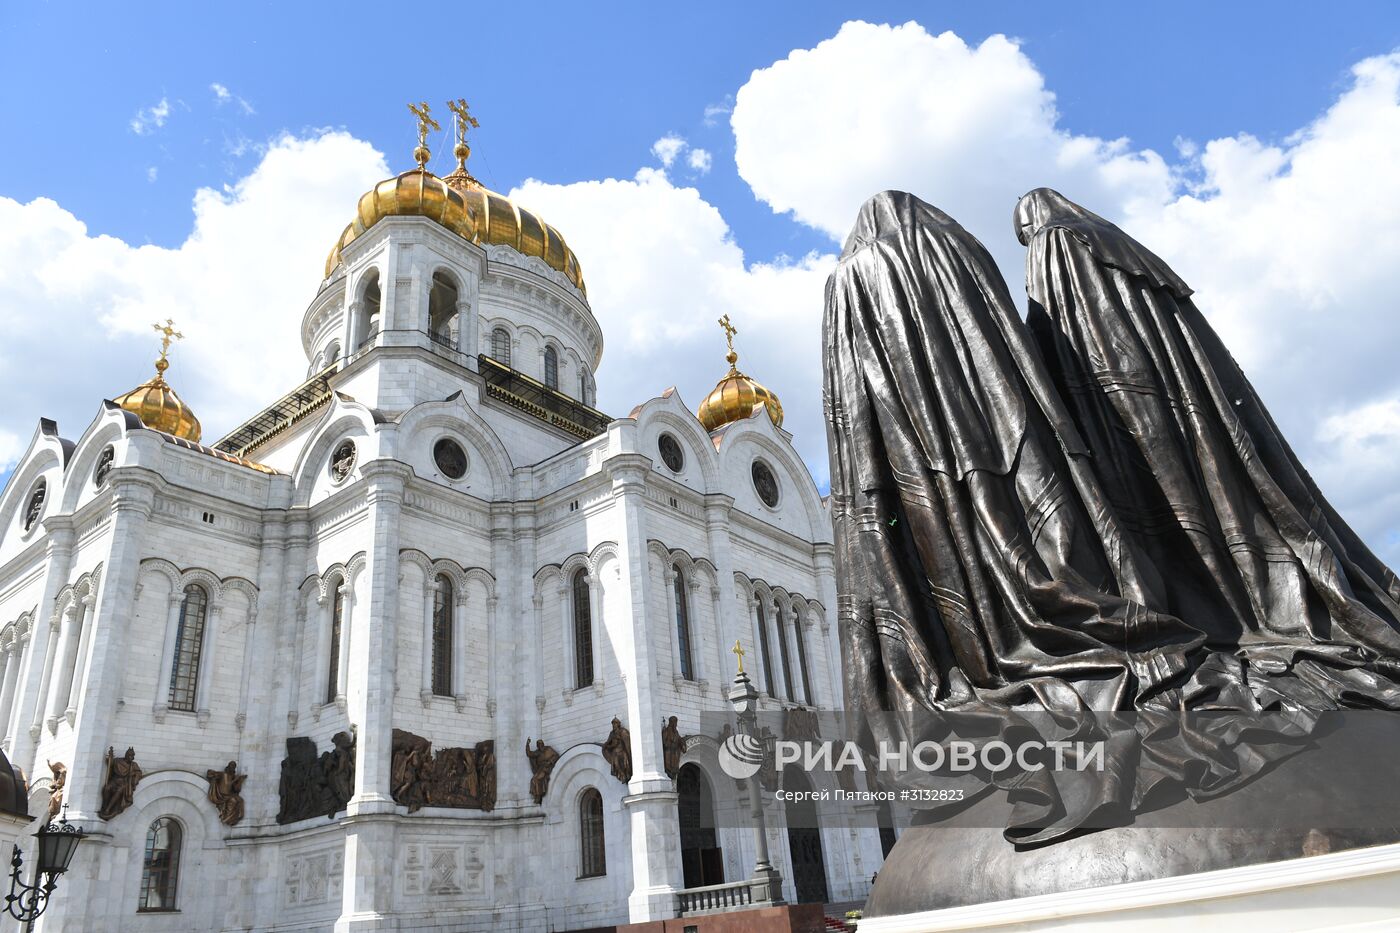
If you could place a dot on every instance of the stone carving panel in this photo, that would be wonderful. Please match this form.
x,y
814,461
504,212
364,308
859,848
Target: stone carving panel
x,y
313,878
464,778
316,786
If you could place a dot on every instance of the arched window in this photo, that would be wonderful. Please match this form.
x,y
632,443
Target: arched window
x,y
683,628
368,325
551,367
783,650
592,858
332,353
583,631
161,870
189,643
442,310
442,636
763,650
337,627
500,345
802,658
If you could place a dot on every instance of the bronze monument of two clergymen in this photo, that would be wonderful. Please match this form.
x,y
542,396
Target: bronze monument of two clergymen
x,y
1089,512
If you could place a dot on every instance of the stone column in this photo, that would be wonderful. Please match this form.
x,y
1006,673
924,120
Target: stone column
x,y
78,685
61,680
651,799
373,633
7,685
208,657
170,645
829,625
510,657
717,509
132,501
29,699
425,689
459,643
370,846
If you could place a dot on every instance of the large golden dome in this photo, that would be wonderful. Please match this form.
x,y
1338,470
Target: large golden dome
x,y
459,203
735,397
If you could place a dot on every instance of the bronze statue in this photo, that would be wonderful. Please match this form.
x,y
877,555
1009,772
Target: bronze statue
x,y
226,793
542,762
617,751
339,767
411,757
119,784
1089,515
60,777
672,747
486,774
1253,555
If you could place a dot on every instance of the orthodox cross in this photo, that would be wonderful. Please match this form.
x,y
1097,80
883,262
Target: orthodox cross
x,y
167,333
729,331
464,117
425,122
738,649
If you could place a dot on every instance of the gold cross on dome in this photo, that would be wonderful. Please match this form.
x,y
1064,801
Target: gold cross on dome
x,y
464,118
738,650
167,333
425,121
729,331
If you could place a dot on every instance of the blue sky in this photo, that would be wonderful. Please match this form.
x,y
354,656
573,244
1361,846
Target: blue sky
x,y
577,91
197,161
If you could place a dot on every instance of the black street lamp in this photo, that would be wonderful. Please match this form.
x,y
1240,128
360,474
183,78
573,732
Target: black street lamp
x,y
57,843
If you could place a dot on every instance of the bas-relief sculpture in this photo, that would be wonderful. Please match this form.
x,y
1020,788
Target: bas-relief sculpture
x,y
60,777
464,778
120,777
1089,511
617,751
542,759
312,786
672,747
226,792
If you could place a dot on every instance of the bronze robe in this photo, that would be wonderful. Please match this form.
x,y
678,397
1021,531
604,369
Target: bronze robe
x,y
1249,551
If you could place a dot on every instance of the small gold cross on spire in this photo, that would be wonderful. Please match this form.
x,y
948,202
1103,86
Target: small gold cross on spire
x,y
464,119
460,178
738,650
729,331
167,333
425,122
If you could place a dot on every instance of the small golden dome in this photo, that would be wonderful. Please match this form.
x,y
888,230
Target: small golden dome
x,y
158,407
156,404
460,204
735,397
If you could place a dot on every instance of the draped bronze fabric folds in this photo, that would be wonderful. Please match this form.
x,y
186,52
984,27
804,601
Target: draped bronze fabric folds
x,y
986,567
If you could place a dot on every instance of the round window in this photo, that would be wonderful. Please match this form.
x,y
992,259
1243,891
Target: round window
x,y
104,466
450,458
671,453
343,461
36,504
765,483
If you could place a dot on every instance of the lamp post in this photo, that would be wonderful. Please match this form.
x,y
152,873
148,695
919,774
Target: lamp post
x,y
57,843
766,885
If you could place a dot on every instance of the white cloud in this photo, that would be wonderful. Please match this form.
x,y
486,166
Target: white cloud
x,y
1290,245
222,95
76,309
714,111
668,148
699,160
150,119
152,173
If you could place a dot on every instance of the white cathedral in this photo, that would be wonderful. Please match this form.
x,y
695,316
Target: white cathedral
x,y
367,650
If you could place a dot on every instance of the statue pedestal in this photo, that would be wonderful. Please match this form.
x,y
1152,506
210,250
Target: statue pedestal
x,y
1329,817
1344,891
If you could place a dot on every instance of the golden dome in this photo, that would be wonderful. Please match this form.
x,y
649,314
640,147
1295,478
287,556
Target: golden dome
x,y
155,403
158,407
735,397
462,205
